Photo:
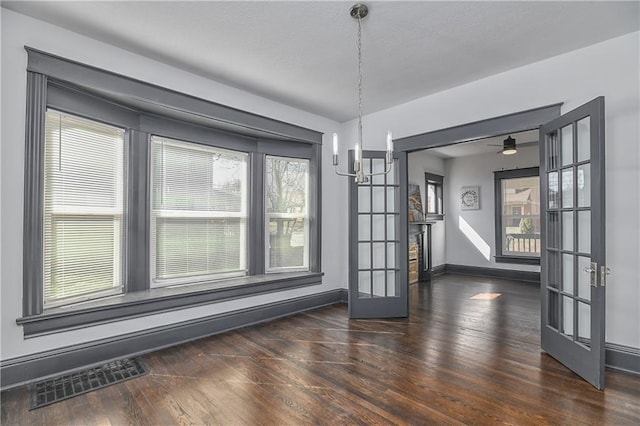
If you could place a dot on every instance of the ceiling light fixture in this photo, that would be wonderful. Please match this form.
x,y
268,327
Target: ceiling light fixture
x,y
509,146
359,12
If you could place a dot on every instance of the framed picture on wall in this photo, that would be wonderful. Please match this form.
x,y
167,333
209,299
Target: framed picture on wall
x,y
469,198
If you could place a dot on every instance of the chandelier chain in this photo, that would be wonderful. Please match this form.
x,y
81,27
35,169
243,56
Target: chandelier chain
x,y
359,46
360,11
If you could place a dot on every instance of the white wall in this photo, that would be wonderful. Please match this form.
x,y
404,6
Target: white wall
x,y
462,248
418,163
611,69
18,31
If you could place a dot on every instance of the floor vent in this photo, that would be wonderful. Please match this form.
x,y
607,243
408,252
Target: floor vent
x,y
67,386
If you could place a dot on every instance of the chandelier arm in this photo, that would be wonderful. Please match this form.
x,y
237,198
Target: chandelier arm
x,y
387,170
339,173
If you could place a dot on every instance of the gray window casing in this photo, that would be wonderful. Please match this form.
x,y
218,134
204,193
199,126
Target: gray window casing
x,y
438,181
498,177
144,109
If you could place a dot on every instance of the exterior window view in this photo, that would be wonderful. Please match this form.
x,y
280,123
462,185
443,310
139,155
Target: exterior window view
x,y
287,219
199,213
521,216
83,209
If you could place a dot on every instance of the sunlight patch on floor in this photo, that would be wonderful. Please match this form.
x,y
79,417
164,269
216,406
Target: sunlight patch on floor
x,y
485,296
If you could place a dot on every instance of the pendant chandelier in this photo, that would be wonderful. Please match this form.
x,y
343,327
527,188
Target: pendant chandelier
x,y
359,12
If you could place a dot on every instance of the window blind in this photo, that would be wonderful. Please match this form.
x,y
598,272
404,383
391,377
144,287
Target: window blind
x,y
287,213
83,208
199,212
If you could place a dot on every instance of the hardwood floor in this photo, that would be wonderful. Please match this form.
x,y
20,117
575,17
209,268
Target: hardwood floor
x,y
453,361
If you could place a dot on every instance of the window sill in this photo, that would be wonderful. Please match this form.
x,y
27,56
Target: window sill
x,y
157,300
518,260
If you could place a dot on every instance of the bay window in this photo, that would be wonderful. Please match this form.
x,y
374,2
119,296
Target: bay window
x,y
156,199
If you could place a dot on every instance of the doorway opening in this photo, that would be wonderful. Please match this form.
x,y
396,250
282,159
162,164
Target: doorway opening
x,y
476,209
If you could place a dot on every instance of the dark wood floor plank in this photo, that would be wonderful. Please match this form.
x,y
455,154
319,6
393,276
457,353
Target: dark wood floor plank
x,y
454,360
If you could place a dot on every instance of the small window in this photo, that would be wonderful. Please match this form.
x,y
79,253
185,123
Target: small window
x,y
287,214
199,212
83,209
434,190
518,216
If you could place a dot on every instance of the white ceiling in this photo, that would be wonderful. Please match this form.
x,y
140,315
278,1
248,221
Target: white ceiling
x,y
303,53
524,140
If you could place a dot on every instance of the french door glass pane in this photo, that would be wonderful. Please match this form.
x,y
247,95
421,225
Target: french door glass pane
x,y
584,231
567,316
567,145
584,323
364,284
364,199
584,185
379,255
378,226
391,227
553,269
392,284
391,176
552,187
567,230
378,167
84,181
567,273
379,283
552,151
378,199
391,200
567,188
364,227
584,139
553,309
553,230
364,255
391,255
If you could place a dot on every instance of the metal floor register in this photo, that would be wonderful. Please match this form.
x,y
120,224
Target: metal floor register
x,y
67,386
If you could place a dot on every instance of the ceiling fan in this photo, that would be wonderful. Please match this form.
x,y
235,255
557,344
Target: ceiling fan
x,y
509,146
